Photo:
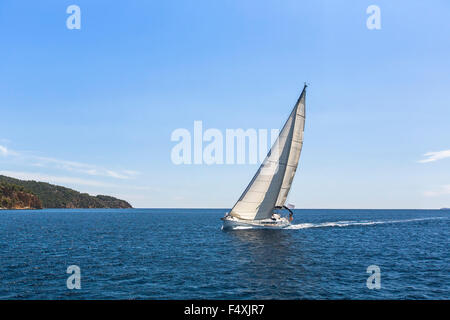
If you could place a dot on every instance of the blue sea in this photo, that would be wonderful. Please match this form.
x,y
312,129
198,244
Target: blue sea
x,y
184,254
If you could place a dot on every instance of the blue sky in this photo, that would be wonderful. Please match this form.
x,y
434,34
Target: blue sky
x,y
94,109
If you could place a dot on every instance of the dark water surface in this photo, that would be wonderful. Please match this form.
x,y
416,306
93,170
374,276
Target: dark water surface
x,y
184,254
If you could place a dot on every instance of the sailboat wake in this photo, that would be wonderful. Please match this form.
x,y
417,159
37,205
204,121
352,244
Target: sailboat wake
x,y
353,223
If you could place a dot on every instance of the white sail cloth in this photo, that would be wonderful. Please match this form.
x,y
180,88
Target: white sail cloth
x,y
271,184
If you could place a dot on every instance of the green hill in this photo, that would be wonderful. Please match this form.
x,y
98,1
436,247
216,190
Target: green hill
x,y
16,197
53,196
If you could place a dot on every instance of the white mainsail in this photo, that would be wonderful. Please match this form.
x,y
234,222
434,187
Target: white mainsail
x,y
270,186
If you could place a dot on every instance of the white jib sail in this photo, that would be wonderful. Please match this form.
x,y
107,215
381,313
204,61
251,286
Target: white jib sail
x,y
272,182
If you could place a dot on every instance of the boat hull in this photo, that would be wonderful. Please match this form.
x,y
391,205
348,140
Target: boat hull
x,y
234,223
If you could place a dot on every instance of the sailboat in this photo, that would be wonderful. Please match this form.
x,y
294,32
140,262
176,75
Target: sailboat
x,y
262,203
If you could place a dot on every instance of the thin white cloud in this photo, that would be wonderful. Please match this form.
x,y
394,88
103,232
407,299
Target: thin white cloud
x,y
53,179
73,166
131,172
434,156
443,190
4,151
85,168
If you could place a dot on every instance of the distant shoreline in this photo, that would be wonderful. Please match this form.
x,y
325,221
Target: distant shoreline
x,y
16,194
